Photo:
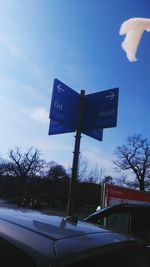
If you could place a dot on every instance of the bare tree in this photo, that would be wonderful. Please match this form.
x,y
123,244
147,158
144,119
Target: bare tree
x,y
25,164
135,156
108,179
57,172
95,175
44,172
82,169
2,166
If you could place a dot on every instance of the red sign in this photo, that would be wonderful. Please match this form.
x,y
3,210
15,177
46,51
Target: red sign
x,y
113,194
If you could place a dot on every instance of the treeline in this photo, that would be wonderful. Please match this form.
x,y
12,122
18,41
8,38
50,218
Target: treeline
x,y
26,176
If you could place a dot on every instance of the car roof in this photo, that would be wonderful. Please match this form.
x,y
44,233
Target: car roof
x,y
51,226
55,235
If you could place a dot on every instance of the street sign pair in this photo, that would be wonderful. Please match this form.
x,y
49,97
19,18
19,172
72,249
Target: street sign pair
x,y
100,111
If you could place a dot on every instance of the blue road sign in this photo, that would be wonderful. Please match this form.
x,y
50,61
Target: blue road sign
x,y
96,134
100,109
64,105
57,128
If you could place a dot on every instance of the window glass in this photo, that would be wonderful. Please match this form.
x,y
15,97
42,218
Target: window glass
x,y
119,222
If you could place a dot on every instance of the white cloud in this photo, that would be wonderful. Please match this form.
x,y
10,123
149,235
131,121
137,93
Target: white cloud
x,y
39,114
20,56
95,157
11,88
133,29
12,48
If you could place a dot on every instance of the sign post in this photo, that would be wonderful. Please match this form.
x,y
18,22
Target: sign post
x,y
71,196
87,114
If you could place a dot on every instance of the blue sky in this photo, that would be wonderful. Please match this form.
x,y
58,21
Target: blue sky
x,y
77,42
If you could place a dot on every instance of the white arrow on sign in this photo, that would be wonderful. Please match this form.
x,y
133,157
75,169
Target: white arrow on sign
x,y
59,88
111,96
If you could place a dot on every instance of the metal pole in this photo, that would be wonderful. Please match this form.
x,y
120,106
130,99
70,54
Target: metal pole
x,y
71,196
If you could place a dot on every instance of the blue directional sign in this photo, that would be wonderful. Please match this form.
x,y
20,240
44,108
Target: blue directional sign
x,y
57,128
64,105
96,134
100,109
